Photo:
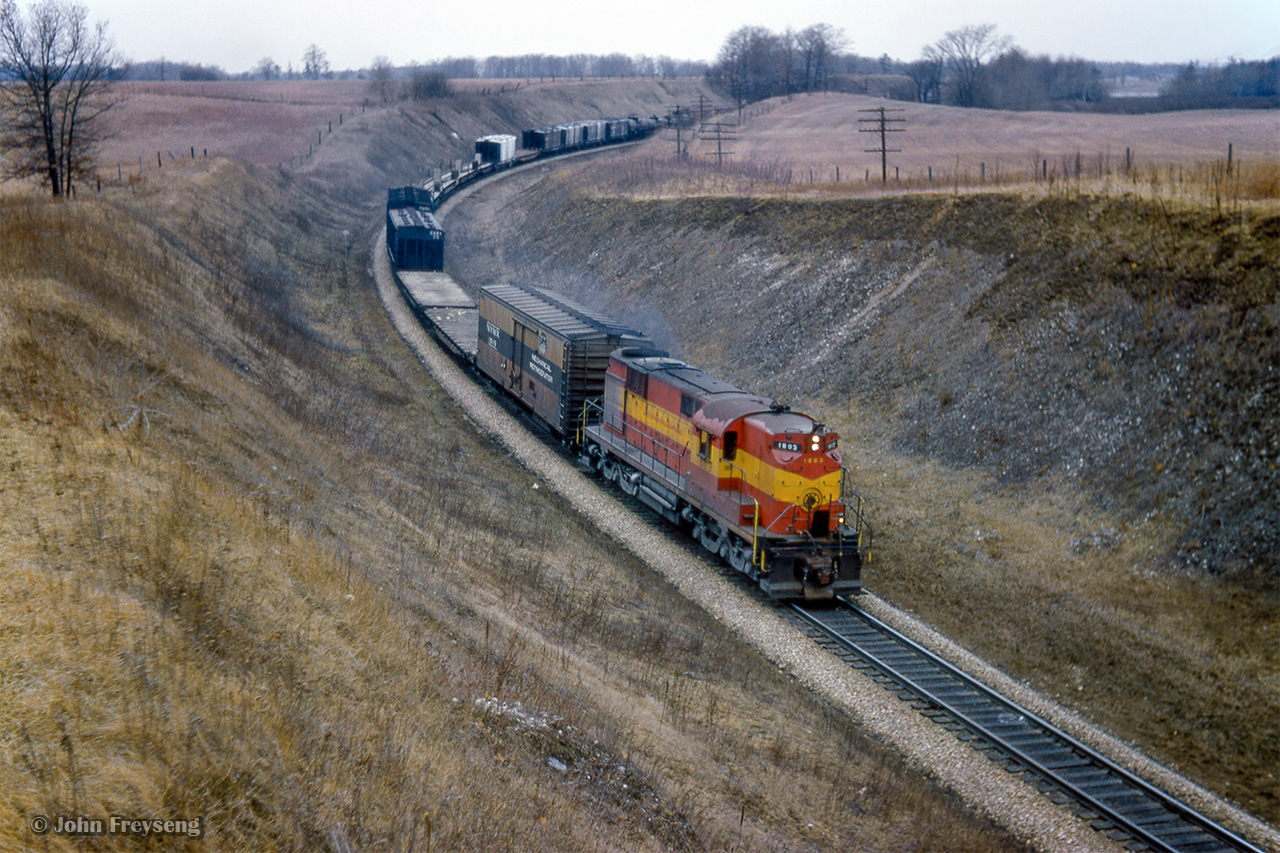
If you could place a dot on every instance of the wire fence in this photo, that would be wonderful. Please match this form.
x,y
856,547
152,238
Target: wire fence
x,y
156,164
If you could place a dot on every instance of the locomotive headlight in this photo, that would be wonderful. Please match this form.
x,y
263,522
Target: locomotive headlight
x,y
815,443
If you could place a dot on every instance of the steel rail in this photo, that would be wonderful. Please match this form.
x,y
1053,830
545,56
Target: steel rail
x,y
1166,824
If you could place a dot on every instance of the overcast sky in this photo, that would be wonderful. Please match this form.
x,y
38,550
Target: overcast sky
x,y
236,34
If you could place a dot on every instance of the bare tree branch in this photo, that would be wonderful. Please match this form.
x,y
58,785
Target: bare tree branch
x,y
62,70
966,51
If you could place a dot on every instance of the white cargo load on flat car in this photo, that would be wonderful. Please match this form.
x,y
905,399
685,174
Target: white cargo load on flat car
x,y
496,148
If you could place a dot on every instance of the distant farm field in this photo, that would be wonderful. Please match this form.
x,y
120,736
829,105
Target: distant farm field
x,y
819,139
808,138
260,122
162,125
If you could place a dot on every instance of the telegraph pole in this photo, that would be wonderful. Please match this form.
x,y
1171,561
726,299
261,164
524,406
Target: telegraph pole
x,y
880,124
722,132
679,116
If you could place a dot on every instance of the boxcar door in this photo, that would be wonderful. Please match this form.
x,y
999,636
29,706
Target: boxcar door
x,y
517,357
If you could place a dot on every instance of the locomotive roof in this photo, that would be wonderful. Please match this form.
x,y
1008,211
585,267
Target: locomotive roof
x,y
724,402
681,375
558,313
716,416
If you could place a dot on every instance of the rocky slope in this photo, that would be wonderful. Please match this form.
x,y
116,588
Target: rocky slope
x,y
1113,344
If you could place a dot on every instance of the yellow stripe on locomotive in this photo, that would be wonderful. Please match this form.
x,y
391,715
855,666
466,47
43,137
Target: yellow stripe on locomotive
x,y
779,477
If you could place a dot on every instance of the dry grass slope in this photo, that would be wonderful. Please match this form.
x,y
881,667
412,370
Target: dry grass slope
x,y
257,569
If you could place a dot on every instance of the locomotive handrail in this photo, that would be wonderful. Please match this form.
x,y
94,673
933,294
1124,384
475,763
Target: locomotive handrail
x,y
757,552
587,406
860,520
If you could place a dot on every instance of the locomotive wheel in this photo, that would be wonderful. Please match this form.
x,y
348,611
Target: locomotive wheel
x,y
740,558
712,538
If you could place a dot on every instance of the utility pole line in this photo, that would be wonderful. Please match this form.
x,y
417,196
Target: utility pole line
x,y
679,117
722,132
880,124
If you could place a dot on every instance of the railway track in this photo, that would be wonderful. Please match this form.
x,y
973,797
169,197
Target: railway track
x,y
1113,800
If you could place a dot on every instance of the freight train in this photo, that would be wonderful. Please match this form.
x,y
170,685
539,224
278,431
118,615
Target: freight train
x,y
500,151
751,481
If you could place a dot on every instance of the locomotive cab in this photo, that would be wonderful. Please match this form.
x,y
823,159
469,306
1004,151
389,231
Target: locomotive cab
x,y
808,476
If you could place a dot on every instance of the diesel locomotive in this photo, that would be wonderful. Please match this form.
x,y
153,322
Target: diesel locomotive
x,y
755,483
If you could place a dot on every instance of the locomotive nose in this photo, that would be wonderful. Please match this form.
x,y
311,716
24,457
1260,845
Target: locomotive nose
x,y
817,574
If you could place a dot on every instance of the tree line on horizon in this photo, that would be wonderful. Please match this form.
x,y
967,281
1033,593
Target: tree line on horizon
x,y
972,66
975,66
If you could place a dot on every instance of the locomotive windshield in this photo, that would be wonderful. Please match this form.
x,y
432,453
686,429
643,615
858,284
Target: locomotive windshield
x,y
792,435
781,423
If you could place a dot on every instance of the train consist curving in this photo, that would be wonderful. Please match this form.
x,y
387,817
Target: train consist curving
x,y
750,480
500,151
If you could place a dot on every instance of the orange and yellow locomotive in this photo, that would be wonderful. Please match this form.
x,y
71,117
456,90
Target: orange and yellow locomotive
x,y
754,482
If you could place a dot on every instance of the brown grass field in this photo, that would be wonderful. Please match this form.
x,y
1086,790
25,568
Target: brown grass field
x,y
806,139
269,123
265,123
258,568
811,139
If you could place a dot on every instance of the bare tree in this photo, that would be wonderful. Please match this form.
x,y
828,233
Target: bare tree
x,y
747,65
787,60
380,85
966,50
426,84
926,73
61,70
267,69
615,65
818,44
315,64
